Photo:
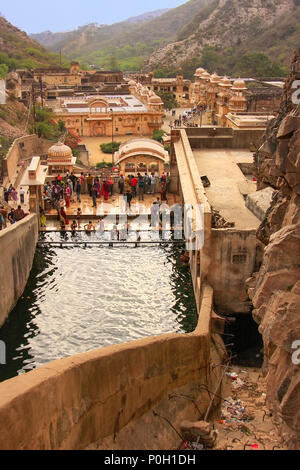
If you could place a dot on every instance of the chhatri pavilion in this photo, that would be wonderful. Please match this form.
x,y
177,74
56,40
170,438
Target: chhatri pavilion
x,y
141,155
60,159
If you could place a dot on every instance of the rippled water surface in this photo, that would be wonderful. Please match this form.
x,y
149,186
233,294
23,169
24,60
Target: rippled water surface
x,y
78,299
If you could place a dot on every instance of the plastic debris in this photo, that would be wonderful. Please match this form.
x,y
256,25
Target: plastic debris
x,y
197,446
238,384
232,375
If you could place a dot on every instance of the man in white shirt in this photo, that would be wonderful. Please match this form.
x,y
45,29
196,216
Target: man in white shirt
x,y
22,195
153,183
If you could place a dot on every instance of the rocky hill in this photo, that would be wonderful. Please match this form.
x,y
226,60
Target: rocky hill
x,y
18,50
227,29
51,40
275,289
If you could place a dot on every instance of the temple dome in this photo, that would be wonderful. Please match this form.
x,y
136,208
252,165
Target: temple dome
x,y
215,78
225,82
154,99
205,75
131,83
199,72
239,84
60,150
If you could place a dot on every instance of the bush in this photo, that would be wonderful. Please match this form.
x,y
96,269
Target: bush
x,y
3,70
158,135
110,147
103,164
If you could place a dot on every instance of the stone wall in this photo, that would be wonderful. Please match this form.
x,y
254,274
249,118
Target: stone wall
x,y
235,256
275,288
17,248
225,138
22,148
78,401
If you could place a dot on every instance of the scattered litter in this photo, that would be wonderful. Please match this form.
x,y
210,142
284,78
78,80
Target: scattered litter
x,y
234,410
197,446
232,375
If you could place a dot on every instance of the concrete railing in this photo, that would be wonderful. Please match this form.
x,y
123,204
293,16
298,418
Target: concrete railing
x,y
73,402
17,248
193,193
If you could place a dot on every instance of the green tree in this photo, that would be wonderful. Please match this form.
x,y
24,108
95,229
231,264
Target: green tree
x,y
257,64
61,126
3,70
158,135
168,99
114,64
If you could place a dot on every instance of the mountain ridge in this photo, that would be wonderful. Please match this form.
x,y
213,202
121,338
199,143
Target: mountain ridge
x,y
250,26
49,39
96,45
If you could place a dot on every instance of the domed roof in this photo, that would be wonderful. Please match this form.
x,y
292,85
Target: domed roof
x,y
225,82
60,150
144,91
215,78
205,75
131,83
239,84
199,72
154,99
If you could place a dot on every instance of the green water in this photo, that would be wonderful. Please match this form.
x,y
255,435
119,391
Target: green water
x,y
79,299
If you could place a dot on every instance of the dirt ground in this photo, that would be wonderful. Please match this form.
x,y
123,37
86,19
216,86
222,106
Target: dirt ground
x,y
246,423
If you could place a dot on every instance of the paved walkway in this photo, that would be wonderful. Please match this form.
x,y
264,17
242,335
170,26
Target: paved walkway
x,y
220,166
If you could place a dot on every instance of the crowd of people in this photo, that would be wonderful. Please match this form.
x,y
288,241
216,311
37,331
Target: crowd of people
x,y
64,190
184,119
12,195
10,215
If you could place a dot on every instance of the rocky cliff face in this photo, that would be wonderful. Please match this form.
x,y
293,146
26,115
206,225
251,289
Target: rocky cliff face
x,y
275,289
227,23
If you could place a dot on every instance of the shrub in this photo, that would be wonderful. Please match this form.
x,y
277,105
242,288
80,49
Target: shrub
x,y
110,147
158,135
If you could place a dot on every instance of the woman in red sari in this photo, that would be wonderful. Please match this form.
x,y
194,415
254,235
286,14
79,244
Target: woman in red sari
x,y
68,196
105,189
63,216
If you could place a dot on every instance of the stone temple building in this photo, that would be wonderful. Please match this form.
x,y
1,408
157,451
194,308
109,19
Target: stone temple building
x,y
236,102
141,155
179,87
137,112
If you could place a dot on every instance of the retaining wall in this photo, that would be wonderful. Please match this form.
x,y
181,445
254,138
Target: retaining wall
x,y
17,248
77,401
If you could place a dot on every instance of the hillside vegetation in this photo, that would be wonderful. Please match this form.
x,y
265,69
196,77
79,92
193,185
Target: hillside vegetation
x,y
17,50
236,37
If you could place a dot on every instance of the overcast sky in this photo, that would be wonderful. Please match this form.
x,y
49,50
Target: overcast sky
x,y
34,16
